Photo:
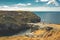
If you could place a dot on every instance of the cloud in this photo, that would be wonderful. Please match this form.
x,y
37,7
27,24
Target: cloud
x,y
53,2
31,9
15,5
44,0
5,6
21,4
24,7
41,0
29,4
36,0
49,2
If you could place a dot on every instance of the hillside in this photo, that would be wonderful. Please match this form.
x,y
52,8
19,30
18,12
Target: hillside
x,y
20,16
12,22
15,23
41,34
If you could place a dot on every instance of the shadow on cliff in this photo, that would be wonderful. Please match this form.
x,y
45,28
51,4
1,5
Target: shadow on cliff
x,y
14,22
12,29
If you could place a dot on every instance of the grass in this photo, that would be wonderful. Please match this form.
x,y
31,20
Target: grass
x,y
52,35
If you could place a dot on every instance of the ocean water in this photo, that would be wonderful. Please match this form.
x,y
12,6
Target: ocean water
x,y
49,17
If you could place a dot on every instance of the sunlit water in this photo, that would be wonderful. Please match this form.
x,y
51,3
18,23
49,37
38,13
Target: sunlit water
x,y
49,17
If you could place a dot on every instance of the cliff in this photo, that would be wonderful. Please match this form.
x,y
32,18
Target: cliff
x,y
12,22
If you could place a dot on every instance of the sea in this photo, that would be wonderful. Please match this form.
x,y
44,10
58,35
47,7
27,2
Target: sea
x,y
49,17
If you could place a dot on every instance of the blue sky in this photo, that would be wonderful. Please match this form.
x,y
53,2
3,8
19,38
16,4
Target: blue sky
x,y
33,3
12,2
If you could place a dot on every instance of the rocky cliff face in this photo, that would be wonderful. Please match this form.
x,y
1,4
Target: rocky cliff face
x,y
12,22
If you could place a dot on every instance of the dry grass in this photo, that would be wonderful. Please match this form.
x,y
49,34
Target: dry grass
x,y
44,35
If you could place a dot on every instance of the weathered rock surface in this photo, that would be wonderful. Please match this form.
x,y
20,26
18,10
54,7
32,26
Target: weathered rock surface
x,y
12,22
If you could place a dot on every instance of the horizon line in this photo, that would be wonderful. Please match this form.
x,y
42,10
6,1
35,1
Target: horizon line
x,y
31,9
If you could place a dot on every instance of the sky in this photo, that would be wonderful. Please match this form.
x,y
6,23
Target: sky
x,y
26,4
34,5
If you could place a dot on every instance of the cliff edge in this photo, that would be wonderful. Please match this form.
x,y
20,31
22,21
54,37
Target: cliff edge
x,y
12,22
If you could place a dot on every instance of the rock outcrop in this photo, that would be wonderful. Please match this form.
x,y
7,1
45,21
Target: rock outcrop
x,y
12,22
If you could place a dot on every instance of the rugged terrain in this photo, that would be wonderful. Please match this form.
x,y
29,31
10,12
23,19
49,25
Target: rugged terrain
x,y
12,22
49,32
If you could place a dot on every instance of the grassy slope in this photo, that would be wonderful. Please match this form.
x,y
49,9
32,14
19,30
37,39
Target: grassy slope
x,y
52,35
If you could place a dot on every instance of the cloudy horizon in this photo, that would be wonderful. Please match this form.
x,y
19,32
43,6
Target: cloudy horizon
x,y
30,5
31,9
